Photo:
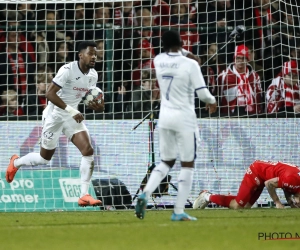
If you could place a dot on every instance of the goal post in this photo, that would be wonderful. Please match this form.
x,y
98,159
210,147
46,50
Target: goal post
x,y
38,37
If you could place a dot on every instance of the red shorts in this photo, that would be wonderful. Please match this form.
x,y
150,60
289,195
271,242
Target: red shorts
x,y
250,189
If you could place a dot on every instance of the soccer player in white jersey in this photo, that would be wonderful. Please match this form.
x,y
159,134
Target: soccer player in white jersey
x,y
64,94
178,78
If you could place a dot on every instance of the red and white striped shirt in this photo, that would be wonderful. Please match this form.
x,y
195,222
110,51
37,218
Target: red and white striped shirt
x,y
279,95
240,90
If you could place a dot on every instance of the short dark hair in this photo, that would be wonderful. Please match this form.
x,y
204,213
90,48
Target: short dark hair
x,y
171,38
83,45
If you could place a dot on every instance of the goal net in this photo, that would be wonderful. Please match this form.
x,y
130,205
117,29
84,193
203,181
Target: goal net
x,y
254,77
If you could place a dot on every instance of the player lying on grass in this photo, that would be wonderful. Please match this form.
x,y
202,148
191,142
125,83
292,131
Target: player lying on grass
x,y
260,174
179,78
61,116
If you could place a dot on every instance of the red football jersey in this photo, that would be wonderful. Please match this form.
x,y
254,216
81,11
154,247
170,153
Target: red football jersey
x,y
288,174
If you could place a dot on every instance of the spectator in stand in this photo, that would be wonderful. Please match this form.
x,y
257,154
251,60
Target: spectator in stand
x,y
100,65
12,19
102,15
28,18
61,56
161,12
146,56
192,6
54,30
240,87
210,72
41,48
284,93
252,61
101,18
262,14
16,67
215,67
36,99
147,96
180,19
76,18
9,104
145,20
127,49
145,53
217,17
285,41
124,12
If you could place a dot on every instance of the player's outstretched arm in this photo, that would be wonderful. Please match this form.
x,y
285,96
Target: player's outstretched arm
x,y
56,100
95,105
204,95
271,186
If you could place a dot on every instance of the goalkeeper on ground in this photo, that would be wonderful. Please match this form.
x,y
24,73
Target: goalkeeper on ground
x,y
260,174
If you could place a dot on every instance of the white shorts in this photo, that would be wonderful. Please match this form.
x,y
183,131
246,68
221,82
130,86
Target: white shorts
x,y
53,126
173,142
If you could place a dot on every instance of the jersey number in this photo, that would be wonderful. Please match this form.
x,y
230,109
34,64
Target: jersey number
x,y
169,79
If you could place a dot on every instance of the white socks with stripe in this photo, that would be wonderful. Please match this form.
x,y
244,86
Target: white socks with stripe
x,y
185,180
157,175
86,171
31,159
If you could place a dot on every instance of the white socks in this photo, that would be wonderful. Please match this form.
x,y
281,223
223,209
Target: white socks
x,y
86,167
157,175
207,196
185,180
86,171
31,159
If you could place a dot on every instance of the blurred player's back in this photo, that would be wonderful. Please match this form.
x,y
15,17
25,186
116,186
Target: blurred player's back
x,y
175,74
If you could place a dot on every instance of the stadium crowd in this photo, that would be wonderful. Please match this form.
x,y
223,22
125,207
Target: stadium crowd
x,y
256,75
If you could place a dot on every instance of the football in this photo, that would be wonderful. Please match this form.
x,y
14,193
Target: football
x,y
93,94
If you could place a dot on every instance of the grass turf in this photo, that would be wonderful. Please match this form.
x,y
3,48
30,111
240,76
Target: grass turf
x,y
215,229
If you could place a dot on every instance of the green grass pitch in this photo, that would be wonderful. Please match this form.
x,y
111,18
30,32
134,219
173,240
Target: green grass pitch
x,y
215,229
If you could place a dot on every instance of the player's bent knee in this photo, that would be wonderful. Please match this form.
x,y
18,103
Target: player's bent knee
x,y
41,161
234,205
87,151
247,206
187,164
169,163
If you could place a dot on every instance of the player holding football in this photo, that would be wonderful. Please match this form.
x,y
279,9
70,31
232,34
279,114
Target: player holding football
x,y
260,174
178,78
61,115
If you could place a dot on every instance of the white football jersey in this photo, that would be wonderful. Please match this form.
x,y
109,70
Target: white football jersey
x,y
74,84
178,78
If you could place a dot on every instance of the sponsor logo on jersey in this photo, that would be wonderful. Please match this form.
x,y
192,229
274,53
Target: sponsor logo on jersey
x,y
80,89
77,78
290,186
